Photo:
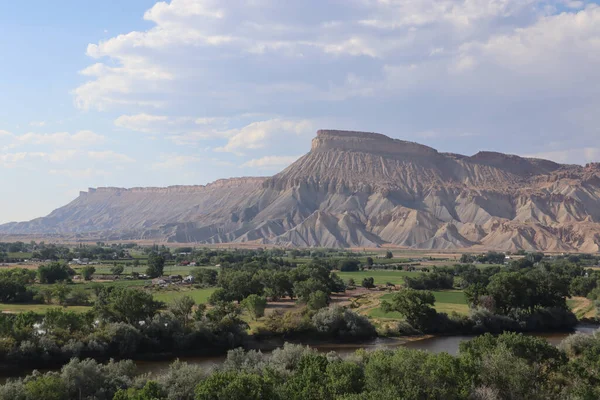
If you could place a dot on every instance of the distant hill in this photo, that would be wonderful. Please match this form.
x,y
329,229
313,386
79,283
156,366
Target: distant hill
x,y
357,189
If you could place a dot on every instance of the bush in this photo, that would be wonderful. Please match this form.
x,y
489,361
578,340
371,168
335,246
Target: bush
x,y
88,272
343,324
55,272
349,265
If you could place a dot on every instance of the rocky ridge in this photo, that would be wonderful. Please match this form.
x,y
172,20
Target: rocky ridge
x,y
357,189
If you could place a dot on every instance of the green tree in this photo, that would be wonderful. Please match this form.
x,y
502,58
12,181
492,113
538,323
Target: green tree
x,y
150,391
236,386
349,265
255,305
126,305
205,276
317,300
88,272
61,292
389,255
46,387
415,305
368,283
370,261
117,269
54,272
156,265
182,308
344,378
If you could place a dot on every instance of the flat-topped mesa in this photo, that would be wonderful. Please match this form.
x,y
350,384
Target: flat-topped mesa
x,y
367,142
220,183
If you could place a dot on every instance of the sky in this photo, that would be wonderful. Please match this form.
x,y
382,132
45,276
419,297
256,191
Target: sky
x,y
144,93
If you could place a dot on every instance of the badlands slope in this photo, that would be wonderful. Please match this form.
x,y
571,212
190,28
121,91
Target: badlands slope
x,y
357,189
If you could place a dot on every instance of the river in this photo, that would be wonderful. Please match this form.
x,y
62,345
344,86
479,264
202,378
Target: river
x,y
435,344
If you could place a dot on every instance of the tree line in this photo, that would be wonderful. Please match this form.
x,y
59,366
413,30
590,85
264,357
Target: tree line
x,y
504,367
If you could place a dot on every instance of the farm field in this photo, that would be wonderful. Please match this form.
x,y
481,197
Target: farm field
x,y
381,277
199,295
445,301
105,269
38,308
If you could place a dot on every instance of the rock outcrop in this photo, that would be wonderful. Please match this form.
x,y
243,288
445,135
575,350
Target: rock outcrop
x,y
357,189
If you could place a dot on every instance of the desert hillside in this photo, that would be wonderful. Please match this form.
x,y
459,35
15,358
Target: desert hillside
x,y
357,189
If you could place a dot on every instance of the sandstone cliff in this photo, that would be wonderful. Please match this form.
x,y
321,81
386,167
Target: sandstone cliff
x,y
358,189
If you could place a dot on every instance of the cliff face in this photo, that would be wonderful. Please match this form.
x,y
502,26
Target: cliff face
x,y
358,189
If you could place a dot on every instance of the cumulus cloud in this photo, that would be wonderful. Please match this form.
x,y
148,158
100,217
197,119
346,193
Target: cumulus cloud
x,y
270,162
83,138
110,156
79,173
507,69
579,156
178,161
258,134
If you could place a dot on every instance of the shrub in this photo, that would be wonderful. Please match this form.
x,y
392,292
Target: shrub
x,y
343,324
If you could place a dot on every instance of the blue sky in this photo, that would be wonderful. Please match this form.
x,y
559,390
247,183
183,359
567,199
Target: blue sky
x,y
144,93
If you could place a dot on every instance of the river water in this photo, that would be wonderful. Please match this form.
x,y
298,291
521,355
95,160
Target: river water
x,y
436,344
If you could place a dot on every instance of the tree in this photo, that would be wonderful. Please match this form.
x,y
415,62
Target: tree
x,y
182,309
368,283
12,290
389,255
349,265
370,261
117,269
340,323
126,305
46,387
235,386
351,282
150,391
415,305
205,276
54,272
61,291
88,272
317,300
219,296
255,305
156,265
467,259
303,289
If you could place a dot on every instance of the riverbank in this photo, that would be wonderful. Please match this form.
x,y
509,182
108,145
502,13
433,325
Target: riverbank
x,y
160,363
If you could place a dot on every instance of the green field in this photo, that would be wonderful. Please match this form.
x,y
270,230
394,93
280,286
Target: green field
x,y
105,269
166,296
381,276
199,295
445,301
20,255
38,308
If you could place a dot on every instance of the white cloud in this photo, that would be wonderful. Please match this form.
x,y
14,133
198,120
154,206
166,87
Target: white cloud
x,y
60,139
25,158
192,127
257,135
501,68
38,124
141,122
580,156
110,156
178,161
195,45
270,162
79,173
